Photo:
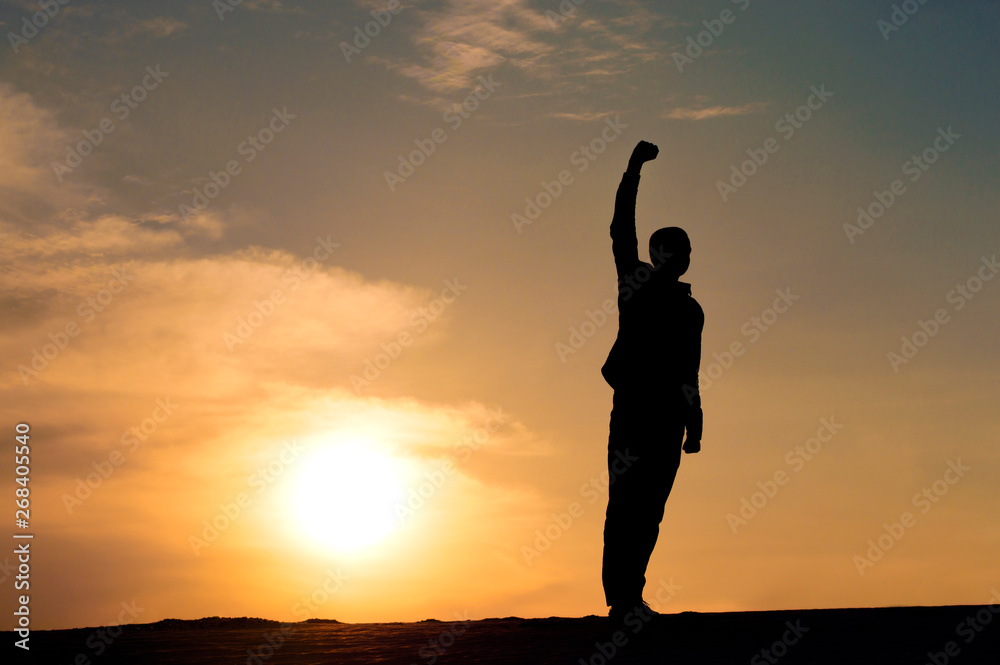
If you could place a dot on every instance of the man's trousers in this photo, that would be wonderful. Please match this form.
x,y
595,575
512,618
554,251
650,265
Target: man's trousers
x,y
644,452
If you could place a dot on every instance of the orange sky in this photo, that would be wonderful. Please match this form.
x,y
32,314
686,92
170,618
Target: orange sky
x,y
335,392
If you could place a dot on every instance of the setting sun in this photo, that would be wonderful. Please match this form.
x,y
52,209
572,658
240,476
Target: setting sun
x,y
346,493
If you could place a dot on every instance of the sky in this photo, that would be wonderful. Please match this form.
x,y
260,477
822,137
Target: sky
x,y
308,321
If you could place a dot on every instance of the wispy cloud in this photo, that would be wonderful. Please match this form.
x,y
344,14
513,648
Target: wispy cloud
x,y
159,27
708,112
29,137
455,43
581,117
271,6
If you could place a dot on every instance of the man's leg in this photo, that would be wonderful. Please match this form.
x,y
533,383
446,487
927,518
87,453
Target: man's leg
x,y
656,480
636,499
619,525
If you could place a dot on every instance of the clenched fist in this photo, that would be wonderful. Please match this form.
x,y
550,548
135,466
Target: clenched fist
x,y
644,152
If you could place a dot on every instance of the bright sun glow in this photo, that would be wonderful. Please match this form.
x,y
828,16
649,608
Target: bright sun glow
x,y
346,496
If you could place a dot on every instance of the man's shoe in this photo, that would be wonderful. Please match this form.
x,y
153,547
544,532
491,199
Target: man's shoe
x,y
649,612
620,611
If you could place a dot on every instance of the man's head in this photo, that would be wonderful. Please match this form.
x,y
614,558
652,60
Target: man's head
x,y
670,251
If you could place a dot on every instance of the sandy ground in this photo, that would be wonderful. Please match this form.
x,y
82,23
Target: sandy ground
x,y
915,635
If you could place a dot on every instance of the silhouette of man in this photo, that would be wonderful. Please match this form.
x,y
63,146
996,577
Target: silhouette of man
x,y
653,368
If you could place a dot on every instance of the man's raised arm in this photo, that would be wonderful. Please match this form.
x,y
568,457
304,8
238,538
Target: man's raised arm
x,y
624,243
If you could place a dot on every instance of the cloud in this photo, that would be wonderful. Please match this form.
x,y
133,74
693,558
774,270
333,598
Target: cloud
x,y
158,27
161,337
150,317
454,44
581,117
707,112
106,313
29,136
315,322
62,245
108,236
271,6
31,195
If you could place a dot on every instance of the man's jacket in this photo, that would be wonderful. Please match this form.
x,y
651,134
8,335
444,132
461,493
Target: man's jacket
x,y
658,350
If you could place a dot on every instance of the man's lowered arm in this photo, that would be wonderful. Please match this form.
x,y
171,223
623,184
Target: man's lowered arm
x,y
694,418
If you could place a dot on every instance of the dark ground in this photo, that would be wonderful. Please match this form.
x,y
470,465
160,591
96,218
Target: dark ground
x,y
961,635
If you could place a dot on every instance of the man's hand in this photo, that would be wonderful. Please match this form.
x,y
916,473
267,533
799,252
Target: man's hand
x,y
691,446
643,152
